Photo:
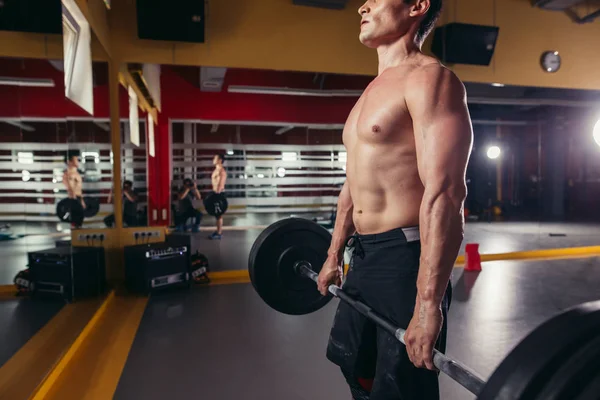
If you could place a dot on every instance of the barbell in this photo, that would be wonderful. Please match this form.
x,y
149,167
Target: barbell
x,y
71,210
558,360
215,204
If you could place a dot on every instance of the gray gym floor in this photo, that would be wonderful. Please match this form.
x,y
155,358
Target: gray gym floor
x,y
20,319
223,342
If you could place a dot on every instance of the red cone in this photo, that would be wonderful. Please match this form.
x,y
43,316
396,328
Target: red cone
x,y
472,257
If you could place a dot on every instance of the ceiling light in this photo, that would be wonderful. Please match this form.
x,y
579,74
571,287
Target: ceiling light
x,y
26,82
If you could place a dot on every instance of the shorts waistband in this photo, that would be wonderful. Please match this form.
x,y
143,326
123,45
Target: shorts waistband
x,y
410,234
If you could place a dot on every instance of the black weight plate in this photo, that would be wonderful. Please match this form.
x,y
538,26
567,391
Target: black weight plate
x,y
272,259
525,372
574,374
592,390
215,204
92,206
63,210
70,210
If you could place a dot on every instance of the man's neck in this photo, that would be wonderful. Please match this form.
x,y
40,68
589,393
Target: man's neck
x,y
396,53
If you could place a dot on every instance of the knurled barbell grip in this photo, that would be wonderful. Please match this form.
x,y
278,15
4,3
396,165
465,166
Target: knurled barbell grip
x,y
450,367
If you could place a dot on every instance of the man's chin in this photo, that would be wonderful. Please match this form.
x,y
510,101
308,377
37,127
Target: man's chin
x,y
367,43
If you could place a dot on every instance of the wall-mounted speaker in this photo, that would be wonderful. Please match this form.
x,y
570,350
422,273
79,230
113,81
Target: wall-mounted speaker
x,y
37,16
457,43
176,20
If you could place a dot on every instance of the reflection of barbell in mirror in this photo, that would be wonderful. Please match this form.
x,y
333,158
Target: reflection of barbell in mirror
x,y
71,210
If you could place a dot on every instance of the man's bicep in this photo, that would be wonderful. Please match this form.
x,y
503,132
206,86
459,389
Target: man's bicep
x,y
443,130
446,148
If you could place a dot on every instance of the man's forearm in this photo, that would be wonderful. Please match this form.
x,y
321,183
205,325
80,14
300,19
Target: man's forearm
x,y
130,196
184,193
344,224
442,231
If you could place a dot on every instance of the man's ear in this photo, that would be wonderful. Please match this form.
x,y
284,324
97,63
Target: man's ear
x,y
420,8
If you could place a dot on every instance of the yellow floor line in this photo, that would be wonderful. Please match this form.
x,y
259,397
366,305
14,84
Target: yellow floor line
x,y
96,369
229,281
542,254
232,274
8,289
22,373
42,391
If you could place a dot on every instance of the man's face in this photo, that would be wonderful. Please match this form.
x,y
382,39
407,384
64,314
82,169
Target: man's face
x,y
126,186
383,21
75,161
216,160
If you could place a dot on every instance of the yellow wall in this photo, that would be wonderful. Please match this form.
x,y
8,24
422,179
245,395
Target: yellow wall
x,y
35,45
30,45
525,33
275,34
270,34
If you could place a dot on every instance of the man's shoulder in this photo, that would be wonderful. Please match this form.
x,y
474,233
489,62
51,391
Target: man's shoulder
x,y
434,75
432,83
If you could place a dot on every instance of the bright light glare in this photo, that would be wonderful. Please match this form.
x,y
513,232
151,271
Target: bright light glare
x,y
229,152
597,132
281,172
90,154
26,175
289,156
493,152
25,157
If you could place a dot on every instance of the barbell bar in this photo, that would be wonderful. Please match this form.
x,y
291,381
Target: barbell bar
x,y
450,367
558,360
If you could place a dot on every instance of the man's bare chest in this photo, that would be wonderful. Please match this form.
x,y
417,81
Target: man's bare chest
x,y
74,176
379,115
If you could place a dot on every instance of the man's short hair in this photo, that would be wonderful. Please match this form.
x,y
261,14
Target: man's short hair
x,y
187,181
221,157
128,183
430,19
70,154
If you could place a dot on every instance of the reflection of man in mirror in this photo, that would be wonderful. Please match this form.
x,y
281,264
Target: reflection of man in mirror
x,y
130,198
72,178
187,195
218,178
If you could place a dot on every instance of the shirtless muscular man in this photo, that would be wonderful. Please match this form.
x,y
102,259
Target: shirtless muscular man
x,y
218,179
408,142
72,179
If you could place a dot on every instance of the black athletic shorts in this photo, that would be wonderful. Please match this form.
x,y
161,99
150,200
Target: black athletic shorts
x,y
383,274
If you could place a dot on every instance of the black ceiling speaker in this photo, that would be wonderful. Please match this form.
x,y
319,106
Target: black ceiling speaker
x,y
175,20
36,16
457,43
